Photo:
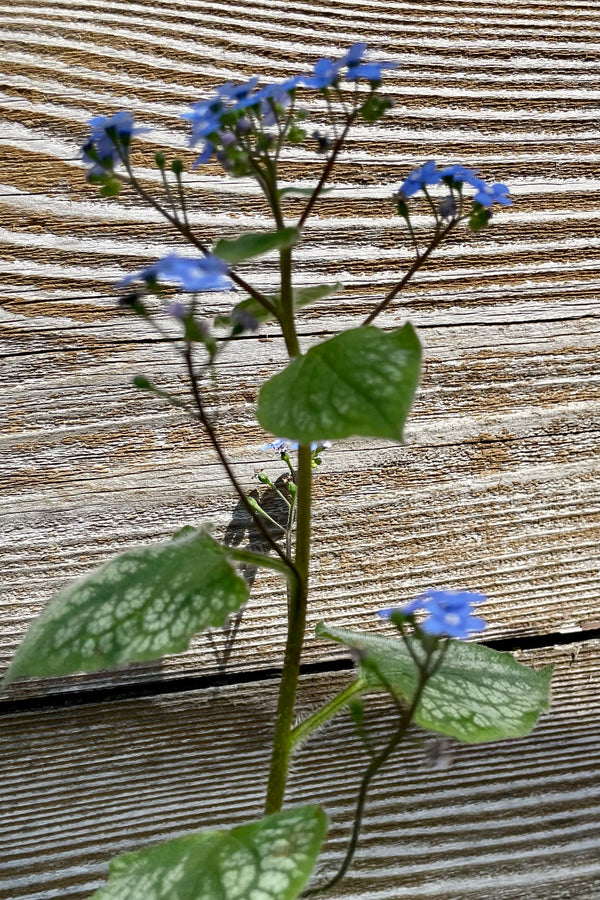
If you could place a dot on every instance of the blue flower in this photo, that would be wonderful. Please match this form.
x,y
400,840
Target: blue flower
x,y
369,71
450,613
105,151
205,121
355,54
419,178
205,274
236,92
359,68
277,93
490,193
324,74
461,173
486,194
283,446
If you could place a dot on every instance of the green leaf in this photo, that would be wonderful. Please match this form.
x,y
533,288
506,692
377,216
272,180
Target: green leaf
x,y
476,695
249,245
271,859
139,606
360,382
302,297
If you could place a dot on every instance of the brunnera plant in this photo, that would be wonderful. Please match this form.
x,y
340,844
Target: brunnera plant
x,y
150,601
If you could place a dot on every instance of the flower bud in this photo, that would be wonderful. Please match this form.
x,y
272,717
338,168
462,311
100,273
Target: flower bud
x,y
447,207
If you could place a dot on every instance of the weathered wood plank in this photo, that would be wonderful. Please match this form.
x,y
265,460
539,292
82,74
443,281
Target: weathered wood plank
x,y
506,820
496,487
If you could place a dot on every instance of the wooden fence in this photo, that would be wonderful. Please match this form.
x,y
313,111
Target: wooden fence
x,y
495,488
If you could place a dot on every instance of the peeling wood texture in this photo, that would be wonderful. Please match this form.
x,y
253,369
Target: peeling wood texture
x,y
506,821
495,488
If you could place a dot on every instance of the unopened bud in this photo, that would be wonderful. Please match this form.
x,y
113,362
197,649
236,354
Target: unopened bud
x,y
447,207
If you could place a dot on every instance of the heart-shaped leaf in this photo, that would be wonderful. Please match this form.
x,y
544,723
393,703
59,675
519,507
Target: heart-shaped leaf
x,y
271,859
477,694
139,606
255,244
361,382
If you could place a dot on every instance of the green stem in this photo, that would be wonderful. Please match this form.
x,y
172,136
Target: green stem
x,y
302,731
258,559
376,764
286,311
282,739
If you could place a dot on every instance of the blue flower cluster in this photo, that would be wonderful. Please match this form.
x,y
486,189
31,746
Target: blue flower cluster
x,y
109,141
234,110
327,71
196,275
216,122
429,174
449,613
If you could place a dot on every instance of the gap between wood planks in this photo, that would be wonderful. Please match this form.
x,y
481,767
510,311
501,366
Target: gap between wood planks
x,y
224,679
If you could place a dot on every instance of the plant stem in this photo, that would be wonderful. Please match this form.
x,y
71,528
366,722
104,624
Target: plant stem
x,y
292,569
419,261
257,559
377,762
326,170
184,229
302,731
286,311
282,739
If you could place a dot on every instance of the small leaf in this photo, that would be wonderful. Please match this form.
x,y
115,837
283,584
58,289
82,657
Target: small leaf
x,y
302,192
361,382
477,694
271,859
302,297
249,245
139,606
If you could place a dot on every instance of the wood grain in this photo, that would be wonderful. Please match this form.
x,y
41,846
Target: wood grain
x,y
495,488
505,821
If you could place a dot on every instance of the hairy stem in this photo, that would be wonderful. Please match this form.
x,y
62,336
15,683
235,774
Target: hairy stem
x,y
302,731
184,229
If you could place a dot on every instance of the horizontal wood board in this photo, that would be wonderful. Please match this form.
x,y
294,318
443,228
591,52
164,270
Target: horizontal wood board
x,y
505,821
496,486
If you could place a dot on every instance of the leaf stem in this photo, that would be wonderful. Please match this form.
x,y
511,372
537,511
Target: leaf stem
x,y
257,559
322,715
